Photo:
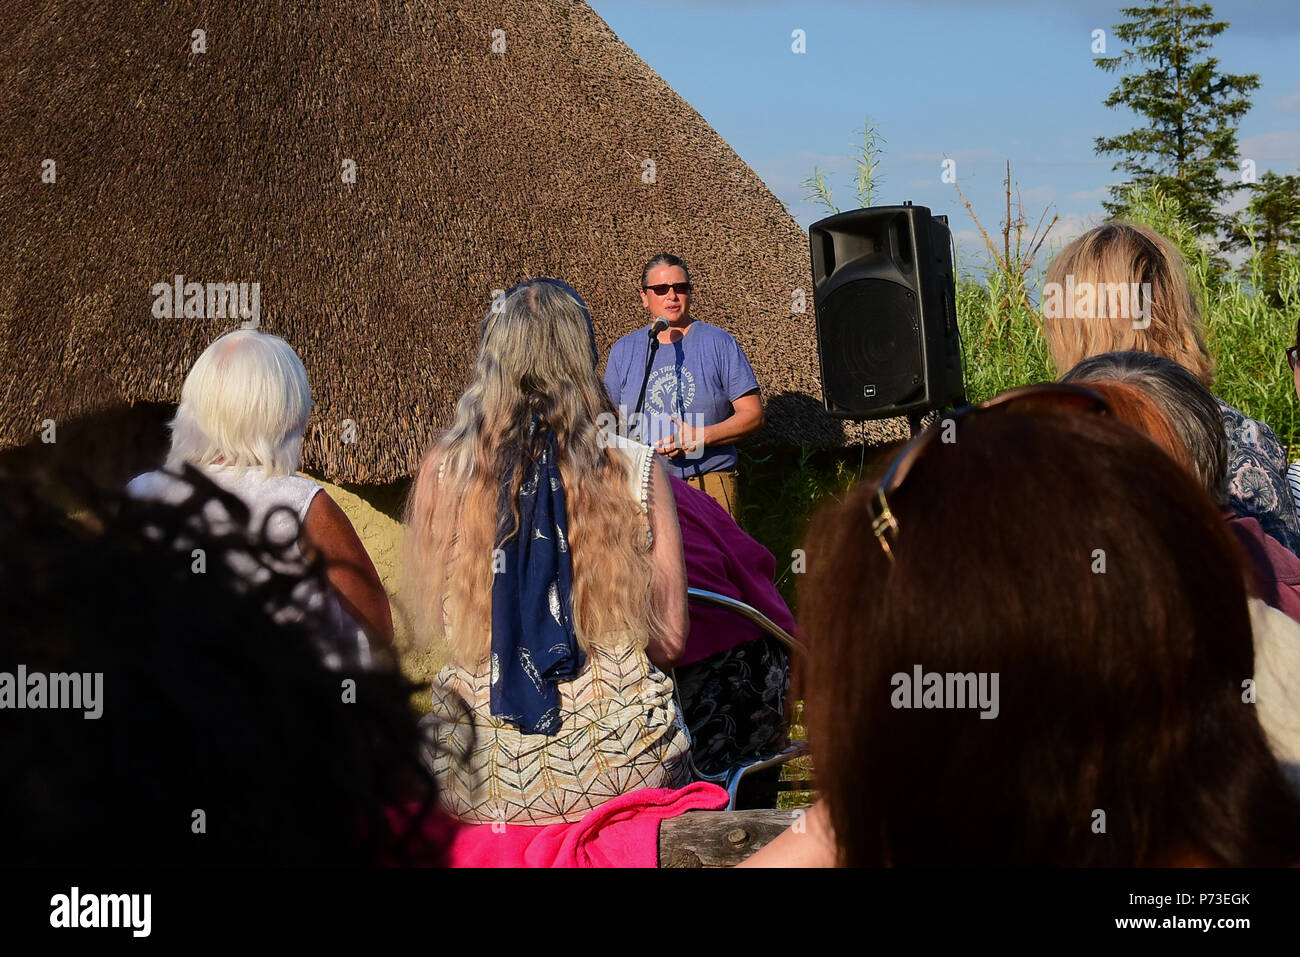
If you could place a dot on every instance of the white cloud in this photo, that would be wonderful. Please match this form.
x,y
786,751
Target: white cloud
x,y
1279,146
1289,102
1037,195
1070,227
1236,202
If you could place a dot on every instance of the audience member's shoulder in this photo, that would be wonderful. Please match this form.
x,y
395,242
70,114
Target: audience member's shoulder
x,y
246,479
156,485
623,443
1273,627
304,482
1241,428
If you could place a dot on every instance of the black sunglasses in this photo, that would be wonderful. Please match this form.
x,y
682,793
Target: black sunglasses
x,y
1049,397
661,289
1293,356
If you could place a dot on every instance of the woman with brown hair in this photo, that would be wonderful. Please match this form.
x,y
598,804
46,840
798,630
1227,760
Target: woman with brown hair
x,y
1030,644
1273,573
1123,286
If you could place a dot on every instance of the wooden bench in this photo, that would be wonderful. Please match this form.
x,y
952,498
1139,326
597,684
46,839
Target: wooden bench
x,y
719,838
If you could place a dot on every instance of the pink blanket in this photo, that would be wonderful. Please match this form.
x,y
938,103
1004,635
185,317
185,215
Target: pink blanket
x,y
623,832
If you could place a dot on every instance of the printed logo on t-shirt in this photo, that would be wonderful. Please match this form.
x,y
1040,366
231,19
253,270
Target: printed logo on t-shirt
x,y
671,391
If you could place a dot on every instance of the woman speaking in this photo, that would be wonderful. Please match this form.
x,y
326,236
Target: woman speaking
x,y
701,396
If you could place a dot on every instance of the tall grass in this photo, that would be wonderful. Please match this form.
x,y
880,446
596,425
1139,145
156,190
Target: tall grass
x,y
1002,344
1248,340
780,491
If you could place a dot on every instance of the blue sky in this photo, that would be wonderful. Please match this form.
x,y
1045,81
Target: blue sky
x,y
983,81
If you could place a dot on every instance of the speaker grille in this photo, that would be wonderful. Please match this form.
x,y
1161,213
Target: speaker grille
x,y
871,346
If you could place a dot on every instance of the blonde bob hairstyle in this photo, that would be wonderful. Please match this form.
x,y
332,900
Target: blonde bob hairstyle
x,y
244,404
1132,255
535,358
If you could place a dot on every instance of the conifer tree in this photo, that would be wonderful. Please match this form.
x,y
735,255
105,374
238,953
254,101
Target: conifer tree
x,y
1270,224
1188,146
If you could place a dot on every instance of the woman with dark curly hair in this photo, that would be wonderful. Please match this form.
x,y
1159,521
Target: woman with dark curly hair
x,y
207,727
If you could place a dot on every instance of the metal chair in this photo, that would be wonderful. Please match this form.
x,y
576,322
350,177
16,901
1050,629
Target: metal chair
x,y
732,778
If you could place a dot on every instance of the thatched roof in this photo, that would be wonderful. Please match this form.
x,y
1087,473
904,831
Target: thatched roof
x,y
473,169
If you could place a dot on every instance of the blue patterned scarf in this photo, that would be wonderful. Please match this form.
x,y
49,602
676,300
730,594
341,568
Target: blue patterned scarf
x,y
534,644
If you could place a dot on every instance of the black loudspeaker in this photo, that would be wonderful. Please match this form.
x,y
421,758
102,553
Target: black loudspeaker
x,y
886,311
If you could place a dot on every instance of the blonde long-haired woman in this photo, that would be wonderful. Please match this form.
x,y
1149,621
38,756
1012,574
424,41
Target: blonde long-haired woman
x,y
1124,286
543,549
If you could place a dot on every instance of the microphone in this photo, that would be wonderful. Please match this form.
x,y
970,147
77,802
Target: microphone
x,y
659,325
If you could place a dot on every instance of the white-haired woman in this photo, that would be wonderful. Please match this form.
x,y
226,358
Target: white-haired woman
x,y
543,549
244,406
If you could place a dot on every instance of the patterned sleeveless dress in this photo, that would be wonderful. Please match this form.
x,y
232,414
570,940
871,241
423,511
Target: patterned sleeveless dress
x,y
620,729
277,510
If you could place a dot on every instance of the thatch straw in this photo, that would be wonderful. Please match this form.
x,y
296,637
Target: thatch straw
x,y
474,169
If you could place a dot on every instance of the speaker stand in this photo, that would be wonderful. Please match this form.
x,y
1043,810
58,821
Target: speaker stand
x,y
914,420
640,400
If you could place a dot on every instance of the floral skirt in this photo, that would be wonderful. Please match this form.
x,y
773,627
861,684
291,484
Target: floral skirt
x,y
620,731
734,704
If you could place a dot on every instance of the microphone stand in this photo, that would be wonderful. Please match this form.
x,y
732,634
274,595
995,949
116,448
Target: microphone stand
x,y
658,325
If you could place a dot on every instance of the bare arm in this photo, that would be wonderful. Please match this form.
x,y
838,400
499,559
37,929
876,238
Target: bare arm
x,y
811,845
348,567
746,418
670,572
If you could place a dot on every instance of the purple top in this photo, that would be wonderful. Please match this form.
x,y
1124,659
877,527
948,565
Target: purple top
x,y
1274,568
720,557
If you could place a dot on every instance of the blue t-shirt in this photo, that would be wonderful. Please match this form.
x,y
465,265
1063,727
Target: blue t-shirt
x,y
694,379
